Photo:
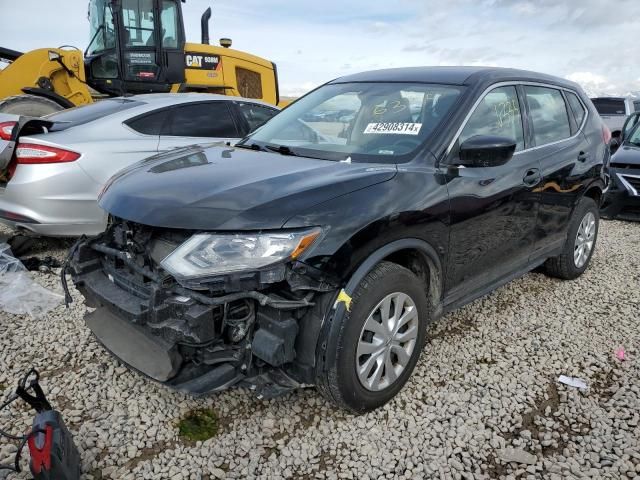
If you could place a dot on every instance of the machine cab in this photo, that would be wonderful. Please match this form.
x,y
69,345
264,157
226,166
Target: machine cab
x,y
136,46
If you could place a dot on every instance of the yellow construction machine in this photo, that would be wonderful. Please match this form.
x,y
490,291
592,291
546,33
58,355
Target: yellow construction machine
x,y
135,46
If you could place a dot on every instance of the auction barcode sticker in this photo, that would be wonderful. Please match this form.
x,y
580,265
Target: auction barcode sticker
x,y
397,128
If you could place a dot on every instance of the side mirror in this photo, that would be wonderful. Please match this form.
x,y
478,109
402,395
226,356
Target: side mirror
x,y
486,151
614,144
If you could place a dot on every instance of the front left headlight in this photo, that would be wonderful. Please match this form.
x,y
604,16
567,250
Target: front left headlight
x,y
205,255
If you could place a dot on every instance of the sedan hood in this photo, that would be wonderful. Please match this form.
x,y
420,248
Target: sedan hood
x,y
626,154
228,188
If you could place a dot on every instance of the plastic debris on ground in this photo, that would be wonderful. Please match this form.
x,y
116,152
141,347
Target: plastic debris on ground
x,y
620,354
573,382
19,293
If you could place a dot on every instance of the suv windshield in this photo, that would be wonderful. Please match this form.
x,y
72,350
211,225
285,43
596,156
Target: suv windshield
x,y
634,136
365,122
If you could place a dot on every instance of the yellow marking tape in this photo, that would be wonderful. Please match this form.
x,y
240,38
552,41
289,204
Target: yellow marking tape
x,y
344,298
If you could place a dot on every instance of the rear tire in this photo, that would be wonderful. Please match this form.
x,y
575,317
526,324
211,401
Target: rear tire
x,y
30,105
569,264
349,379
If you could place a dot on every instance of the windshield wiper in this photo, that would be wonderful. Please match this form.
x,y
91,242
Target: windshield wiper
x,y
282,150
253,146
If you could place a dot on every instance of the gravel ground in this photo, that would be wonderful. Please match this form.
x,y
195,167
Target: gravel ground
x,y
484,395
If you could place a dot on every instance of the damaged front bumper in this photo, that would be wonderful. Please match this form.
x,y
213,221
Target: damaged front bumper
x,y
622,199
237,330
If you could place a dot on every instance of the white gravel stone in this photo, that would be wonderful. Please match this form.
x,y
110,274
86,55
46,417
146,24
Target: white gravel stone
x,y
485,383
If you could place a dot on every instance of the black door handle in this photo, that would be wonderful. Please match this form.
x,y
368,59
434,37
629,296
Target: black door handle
x,y
582,157
532,177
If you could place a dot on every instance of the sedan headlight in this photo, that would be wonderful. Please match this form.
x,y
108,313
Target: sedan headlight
x,y
206,255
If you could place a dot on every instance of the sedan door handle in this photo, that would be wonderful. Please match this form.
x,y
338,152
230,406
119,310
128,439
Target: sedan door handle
x,y
532,177
582,157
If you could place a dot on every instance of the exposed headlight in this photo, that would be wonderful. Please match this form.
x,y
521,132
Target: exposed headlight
x,y
205,254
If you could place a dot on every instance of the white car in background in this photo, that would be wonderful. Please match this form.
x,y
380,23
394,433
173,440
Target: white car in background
x,y
614,111
51,185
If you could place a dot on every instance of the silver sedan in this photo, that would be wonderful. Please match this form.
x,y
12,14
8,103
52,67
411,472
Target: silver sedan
x,y
52,183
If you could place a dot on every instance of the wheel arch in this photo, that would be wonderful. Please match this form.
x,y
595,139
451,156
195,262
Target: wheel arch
x,y
595,191
412,253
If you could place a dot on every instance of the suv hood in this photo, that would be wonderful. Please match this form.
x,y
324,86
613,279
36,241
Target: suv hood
x,y
228,188
627,154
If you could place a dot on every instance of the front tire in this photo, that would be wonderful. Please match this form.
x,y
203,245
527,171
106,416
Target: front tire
x,y
378,341
580,244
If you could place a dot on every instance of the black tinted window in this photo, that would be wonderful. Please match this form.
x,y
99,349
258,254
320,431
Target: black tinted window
x,y
576,107
609,106
150,124
548,114
89,113
636,106
211,119
256,115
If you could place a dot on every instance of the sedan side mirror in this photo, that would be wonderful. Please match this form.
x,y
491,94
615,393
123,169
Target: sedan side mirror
x,y
486,151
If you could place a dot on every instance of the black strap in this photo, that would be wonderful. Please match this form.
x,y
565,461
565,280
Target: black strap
x,y
38,401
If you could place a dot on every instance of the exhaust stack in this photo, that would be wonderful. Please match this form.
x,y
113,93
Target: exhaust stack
x,y
204,25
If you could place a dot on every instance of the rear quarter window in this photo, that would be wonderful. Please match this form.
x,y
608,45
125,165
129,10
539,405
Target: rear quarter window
x,y
609,106
148,124
89,113
576,108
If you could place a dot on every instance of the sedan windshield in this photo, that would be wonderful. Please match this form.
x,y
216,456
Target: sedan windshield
x,y
359,122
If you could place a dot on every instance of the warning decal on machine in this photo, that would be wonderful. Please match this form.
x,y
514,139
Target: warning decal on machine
x,y
397,128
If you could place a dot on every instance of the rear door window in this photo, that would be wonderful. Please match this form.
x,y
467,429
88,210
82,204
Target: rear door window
x,y
256,115
497,114
548,114
206,119
609,106
576,108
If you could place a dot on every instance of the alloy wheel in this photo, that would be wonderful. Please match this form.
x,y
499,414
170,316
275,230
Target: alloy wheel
x,y
584,240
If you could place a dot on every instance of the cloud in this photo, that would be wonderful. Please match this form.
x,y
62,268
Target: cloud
x,y
592,83
313,42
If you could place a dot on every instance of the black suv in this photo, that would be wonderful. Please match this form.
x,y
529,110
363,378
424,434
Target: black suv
x,y
317,250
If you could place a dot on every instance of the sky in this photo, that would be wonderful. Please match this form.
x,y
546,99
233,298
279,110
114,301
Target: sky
x,y
593,42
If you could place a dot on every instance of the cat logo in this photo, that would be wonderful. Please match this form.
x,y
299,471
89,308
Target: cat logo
x,y
194,61
201,62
